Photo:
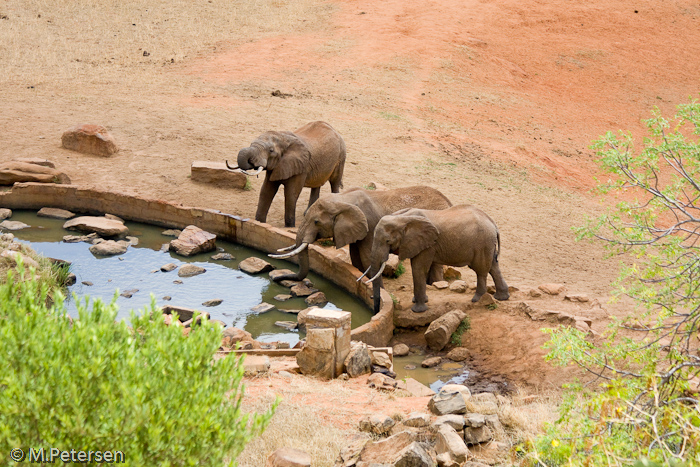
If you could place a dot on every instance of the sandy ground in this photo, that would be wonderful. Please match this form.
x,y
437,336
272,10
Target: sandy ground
x,y
493,102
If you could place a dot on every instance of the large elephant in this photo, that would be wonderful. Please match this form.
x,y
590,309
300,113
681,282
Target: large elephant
x,y
350,218
459,236
307,157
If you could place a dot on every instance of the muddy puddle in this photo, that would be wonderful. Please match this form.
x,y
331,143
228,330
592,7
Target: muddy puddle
x,y
139,269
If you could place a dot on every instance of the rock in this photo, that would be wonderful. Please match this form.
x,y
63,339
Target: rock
x,y
71,279
89,139
262,308
16,256
129,293
350,453
168,267
381,359
254,364
460,388
392,264
458,354
108,248
213,302
486,300
440,285
379,424
55,213
400,350
231,336
282,297
453,420
477,435
316,299
405,318
459,286
448,441
301,290
114,218
177,281
100,225
171,233
133,241
484,403
192,241
447,403
36,161
383,370
223,257
5,213
167,298
552,289
576,298
189,270
431,362
377,186
414,455
254,265
88,283
388,450
13,225
19,172
439,332
451,274
75,238
418,389
358,362
417,419
534,293
280,272
288,325
474,420
216,173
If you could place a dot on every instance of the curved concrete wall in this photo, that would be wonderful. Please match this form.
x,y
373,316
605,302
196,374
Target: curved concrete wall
x,y
237,229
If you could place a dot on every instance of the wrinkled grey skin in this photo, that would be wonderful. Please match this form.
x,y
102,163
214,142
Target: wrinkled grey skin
x,y
459,236
307,157
349,218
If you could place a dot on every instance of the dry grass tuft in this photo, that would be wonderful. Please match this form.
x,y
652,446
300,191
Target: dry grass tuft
x,y
524,416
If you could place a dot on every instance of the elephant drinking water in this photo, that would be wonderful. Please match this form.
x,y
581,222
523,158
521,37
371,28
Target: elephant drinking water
x,y
309,156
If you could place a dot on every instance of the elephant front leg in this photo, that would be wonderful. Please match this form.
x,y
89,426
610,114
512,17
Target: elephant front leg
x,y
420,266
267,194
292,190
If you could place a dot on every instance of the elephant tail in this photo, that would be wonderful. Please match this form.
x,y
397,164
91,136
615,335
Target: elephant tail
x,y
498,246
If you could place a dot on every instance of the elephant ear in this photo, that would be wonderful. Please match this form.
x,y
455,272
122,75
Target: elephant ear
x,y
295,158
349,226
419,234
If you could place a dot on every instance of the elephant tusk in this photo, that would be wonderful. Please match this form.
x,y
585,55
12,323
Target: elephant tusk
x,y
364,274
289,248
257,171
301,248
379,273
232,168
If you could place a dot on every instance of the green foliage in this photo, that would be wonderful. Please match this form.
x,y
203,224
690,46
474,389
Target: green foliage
x,y
644,411
96,384
248,186
400,269
464,326
326,242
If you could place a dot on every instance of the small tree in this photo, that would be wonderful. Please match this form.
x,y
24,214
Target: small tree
x,y
95,384
649,364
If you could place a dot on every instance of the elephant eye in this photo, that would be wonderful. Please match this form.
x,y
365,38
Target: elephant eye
x,y
272,149
317,222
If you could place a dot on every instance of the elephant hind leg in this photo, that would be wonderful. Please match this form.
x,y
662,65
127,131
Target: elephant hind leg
x,y
501,286
336,178
436,273
480,286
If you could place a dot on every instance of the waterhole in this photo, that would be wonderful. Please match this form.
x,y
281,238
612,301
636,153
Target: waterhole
x,y
446,373
139,269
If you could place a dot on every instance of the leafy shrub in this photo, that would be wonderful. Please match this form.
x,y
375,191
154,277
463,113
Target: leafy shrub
x,y
96,384
464,326
400,269
646,405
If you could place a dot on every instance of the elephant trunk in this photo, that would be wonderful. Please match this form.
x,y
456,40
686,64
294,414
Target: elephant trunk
x,y
377,294
375,271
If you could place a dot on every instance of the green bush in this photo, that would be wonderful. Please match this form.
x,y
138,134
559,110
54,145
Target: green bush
x,y
400,269
97,384
644,409
464,326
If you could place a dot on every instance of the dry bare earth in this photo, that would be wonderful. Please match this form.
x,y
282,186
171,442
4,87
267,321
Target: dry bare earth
x,y
494,103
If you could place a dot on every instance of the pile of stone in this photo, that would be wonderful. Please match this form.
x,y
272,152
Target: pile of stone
x,y
107,234
185,318
459,430
12,252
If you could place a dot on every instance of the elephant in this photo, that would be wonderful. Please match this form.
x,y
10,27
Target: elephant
x,y
307,157
350,218
462,235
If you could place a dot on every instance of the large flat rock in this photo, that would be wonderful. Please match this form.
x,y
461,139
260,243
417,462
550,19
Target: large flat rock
x,y
17,172
100,225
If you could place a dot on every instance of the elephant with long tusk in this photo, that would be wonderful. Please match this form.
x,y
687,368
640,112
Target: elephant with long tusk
x,y
459,236
309,156
349,218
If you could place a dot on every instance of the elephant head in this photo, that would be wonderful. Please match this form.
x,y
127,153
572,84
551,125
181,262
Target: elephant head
x,y
328,217
282,154
404,234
